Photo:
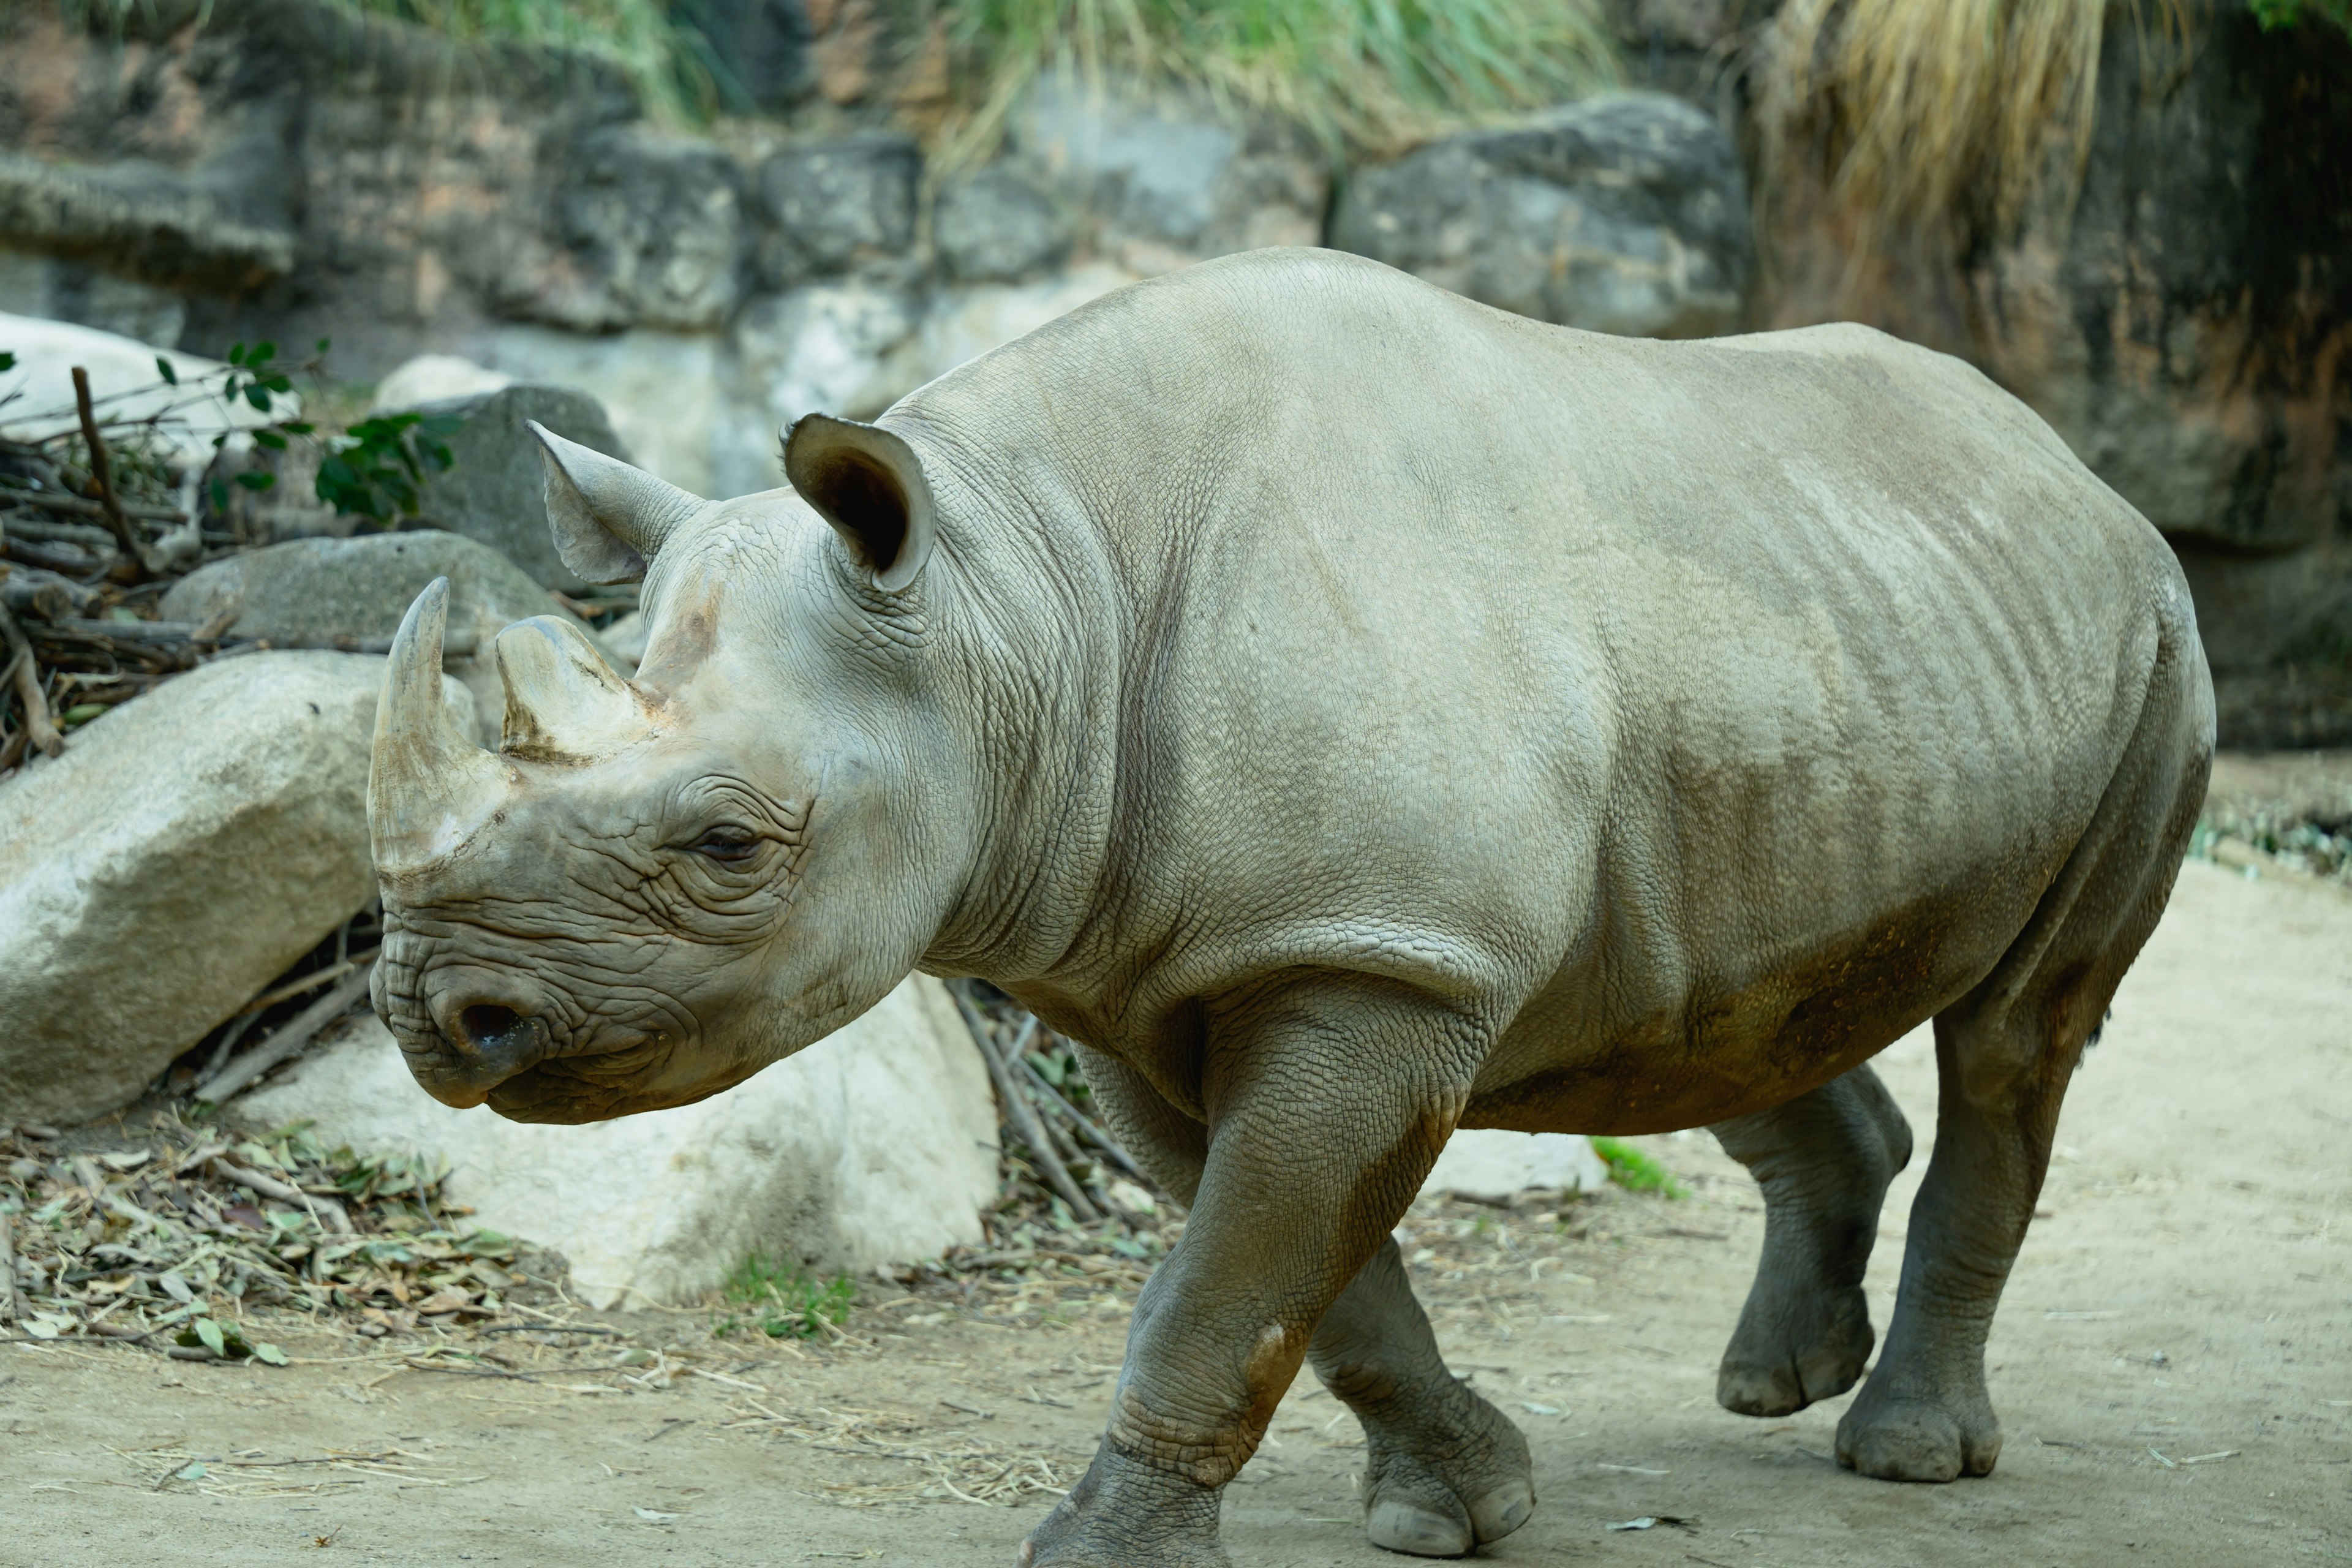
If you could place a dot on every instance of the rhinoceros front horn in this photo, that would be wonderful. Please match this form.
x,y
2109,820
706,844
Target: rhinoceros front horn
x,y
429,785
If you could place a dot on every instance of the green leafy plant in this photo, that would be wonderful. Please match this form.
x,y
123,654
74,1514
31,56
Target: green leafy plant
x,y
782,1301
377,469
1636,1172
227,1342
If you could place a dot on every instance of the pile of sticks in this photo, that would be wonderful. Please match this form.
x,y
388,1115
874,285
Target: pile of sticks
x,y
1060,1141
79,554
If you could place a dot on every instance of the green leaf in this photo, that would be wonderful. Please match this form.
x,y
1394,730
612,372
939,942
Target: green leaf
x,y
81,713
210,1333
220,495
236,353
271,439
8,362
253,480
264,1351
257,396
263,352
164,368
323,344
298,427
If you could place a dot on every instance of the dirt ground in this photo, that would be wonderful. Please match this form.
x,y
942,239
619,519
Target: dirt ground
x,y
2173,1365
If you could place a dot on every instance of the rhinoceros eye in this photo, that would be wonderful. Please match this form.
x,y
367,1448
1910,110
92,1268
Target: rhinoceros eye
x,y
728,844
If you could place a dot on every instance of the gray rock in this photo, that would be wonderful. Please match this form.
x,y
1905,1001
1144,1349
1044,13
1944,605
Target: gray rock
x,y
653,229
360,587
832,207
874,1145
1625,212
495,488
186,849
1162,178
843,348
998,228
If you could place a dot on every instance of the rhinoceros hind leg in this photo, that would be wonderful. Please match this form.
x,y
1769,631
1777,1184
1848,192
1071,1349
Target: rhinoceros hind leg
x,y
1823,1161
2004,1053
1444,1471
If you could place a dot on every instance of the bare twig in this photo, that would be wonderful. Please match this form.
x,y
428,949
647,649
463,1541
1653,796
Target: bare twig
x,y
334,1218
74,506
99,470
1023,1117
37,724
290,1039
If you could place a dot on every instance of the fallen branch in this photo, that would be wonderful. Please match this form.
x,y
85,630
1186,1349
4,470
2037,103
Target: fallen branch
x,y
1023,1117
74,506
1081,1120
57,558
44,594
242,1070
99,470
37,723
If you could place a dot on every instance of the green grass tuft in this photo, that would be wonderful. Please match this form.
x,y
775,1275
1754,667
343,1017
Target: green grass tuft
x,y
1636,1172
782,1301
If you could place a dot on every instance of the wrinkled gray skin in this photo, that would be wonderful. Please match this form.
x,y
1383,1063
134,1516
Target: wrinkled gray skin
x,y
1355,713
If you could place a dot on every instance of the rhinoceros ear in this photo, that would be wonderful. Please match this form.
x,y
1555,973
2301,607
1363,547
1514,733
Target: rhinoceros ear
x,y
608,517
868,483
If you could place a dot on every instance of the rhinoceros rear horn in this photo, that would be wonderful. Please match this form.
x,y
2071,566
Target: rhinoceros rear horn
x,y
608,517
867,483
428,784
562,699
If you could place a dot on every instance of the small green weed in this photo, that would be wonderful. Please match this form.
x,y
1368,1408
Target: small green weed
x,y
783,1301
1636,1172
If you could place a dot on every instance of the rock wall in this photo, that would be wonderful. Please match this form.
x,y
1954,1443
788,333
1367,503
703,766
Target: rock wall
x,y
2183,323
287,172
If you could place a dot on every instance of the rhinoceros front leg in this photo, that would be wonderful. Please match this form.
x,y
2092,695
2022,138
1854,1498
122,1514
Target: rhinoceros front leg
x,y
1823,1161
1444,1470
1327,1106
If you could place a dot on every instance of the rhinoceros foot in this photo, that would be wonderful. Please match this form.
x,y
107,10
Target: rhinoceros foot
x,y
1126,1514
1896,1435
1451,1481
1814,1347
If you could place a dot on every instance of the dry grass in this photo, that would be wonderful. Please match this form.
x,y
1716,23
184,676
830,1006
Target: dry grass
x,y
1373,74
1944,121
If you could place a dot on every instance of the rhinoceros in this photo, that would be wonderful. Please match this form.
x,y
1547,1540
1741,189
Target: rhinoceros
x,y
1353,713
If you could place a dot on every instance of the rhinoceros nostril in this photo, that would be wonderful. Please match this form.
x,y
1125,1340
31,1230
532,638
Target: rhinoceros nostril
x,y
488,1029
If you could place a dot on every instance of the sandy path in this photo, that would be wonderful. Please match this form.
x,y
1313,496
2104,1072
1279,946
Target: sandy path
x,y
2200,1211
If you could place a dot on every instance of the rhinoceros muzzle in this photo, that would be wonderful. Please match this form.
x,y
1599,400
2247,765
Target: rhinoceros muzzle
x,y
435,801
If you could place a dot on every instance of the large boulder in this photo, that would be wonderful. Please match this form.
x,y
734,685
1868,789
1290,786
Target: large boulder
x,y
495,489
1491,1164
843,347
316,589
37,392
998,226
188,847
878,1144
1161,177
835,206
649,232
1625,212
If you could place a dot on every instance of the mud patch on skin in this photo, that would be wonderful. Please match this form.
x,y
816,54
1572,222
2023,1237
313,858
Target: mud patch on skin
x,y
1723,1054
